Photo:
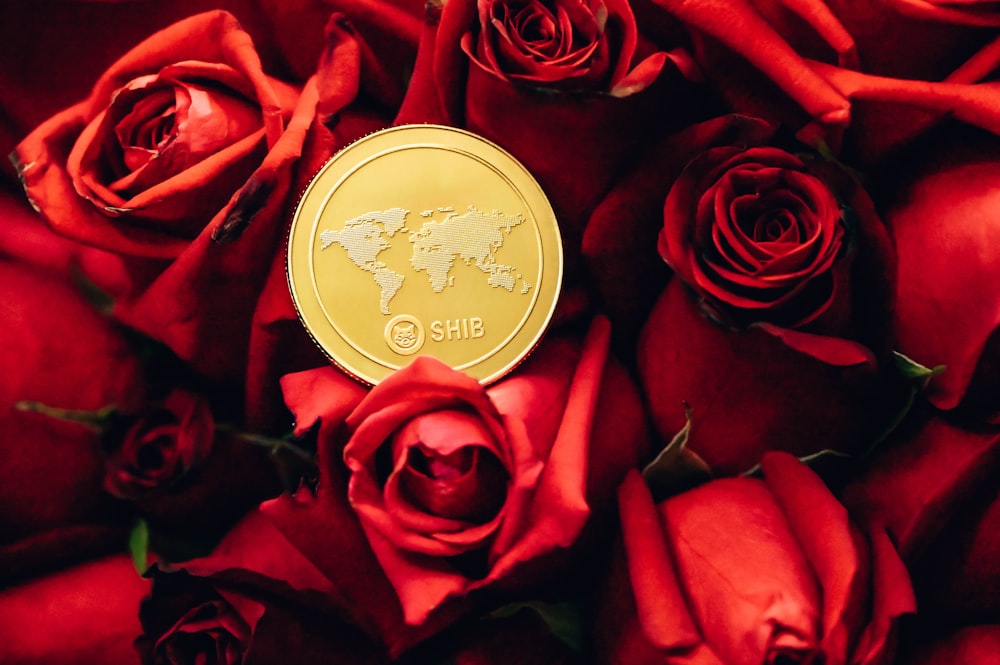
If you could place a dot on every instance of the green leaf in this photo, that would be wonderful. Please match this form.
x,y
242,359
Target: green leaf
x,y
563,618
138,545
676,468
911,370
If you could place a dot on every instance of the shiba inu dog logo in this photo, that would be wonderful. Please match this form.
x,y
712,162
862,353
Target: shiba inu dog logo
x,y
404,334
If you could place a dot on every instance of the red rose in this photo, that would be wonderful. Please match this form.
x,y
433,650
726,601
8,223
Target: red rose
x,y
535,77
754,571
458,488
559,44
948,309
254,599
59,352
86,615
160,446
181,160
169,132
774,324
183,475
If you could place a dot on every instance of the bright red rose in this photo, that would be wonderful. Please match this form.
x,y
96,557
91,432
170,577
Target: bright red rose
x,y
942,216
459,488
57,351
181,161
86,615
743,570
776,321
169,132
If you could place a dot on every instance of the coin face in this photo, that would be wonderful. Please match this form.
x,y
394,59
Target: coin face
x,y
424,240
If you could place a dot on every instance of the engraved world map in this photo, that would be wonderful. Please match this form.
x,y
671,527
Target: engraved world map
x,y
473,236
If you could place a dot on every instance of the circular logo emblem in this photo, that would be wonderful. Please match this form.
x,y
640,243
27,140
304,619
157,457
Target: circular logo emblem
x,y
435,222
404,334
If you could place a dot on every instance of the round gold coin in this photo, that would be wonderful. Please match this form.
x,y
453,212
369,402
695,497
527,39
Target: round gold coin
x,y
424,240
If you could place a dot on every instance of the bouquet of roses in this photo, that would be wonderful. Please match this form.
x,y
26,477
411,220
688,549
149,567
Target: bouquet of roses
x,y
763,426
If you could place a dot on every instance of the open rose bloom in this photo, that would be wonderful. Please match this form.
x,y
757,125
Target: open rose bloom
x,y
762,428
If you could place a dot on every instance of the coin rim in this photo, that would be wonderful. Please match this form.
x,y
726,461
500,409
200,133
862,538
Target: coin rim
x,y
537,204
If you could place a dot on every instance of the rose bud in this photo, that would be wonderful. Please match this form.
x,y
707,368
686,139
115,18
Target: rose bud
x,y
535,76
948,309
775,324
58,355
180,472
181,161
744,570
933,487
247,602
458,488
84,614
160,446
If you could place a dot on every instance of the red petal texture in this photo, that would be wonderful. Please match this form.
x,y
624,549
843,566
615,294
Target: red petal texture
x,y
547,424
817,587
48,177
744,329
798,404
948,309
207,292
87,614
890,38
265,596
59,351
933,488
742,30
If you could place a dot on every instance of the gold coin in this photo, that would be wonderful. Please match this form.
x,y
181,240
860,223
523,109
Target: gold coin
x,y
424,240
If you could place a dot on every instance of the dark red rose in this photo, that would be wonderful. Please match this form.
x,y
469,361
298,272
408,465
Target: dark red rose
x,y
252,600
183,475
933,486
459,488
87,614
749,570
160,446
57,351
550,82
779,308
948,311
560,44
181,161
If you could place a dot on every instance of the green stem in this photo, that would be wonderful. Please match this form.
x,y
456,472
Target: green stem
x,y
93,420
274,444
